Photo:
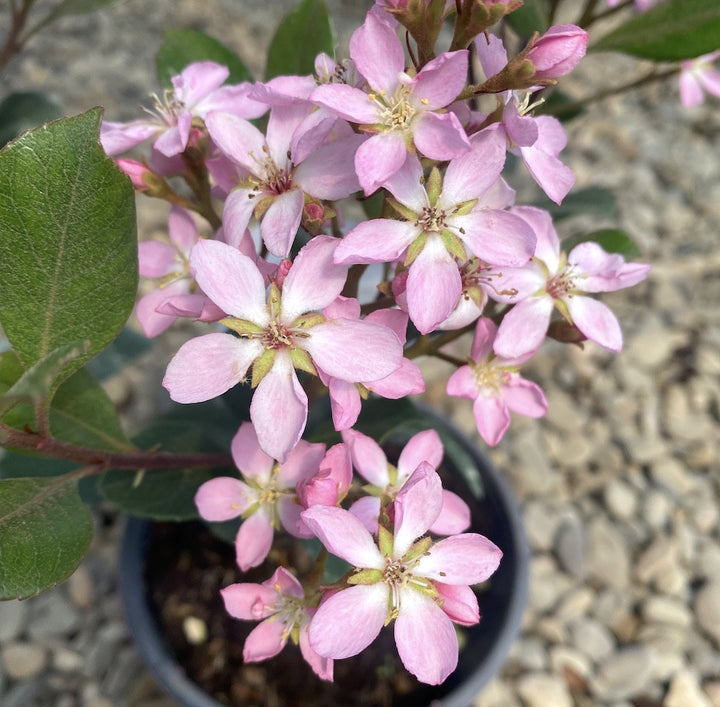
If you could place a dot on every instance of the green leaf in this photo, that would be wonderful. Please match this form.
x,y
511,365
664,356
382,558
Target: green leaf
x,y
45,531
303,33
533,16
68,243
181,47
40,381
609,239
168,495
592,201
22,111
670,31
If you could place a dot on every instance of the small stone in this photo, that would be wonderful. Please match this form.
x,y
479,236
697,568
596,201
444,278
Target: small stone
x,y
541,523
575,603
666,610
80,588
22,661
551,630
608,560
620,498
624,674
657,558
547,584
707,609
656,509
563,658
685,691
66,660
592,639
528,654
52,615
496,694
649,346
570,546
712,690
672,475
543,690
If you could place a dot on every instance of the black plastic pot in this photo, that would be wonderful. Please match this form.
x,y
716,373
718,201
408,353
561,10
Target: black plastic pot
x,y
495,515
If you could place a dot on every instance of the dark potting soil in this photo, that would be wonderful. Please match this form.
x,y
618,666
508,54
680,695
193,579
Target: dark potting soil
x,y
186,568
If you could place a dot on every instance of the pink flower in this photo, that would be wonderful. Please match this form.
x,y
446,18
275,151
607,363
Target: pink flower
x,y
197,91
331,483
444,220
386,480
279,170
557,52
265,498
280,603
397,580
177,293
698,76
278,332
495,386
402,112
345,397
554,279
539,140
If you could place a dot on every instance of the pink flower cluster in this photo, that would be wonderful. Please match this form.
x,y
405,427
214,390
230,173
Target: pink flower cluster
x,y
280,281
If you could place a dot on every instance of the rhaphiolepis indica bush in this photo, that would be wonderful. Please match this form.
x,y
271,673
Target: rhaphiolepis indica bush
x,y
417,124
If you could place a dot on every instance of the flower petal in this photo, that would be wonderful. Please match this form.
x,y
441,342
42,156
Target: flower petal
x,y
249,601
378,158
417,506
267,639
280,223
253,541
597,321
469,558
454,515
248,456
376,241
223,498
424,446
440,136
378,54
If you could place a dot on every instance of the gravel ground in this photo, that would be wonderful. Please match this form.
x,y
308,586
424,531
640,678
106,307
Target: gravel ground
x,y
619,484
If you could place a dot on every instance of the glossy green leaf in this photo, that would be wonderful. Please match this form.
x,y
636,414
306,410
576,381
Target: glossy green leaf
x,y
68,243
181,47
304,33
45,531
591,201
22,111
168,494
533,16
670,31
609,239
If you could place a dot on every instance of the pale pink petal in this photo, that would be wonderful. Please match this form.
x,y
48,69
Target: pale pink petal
x,y
434,285
348,622
197,80
182,229
283,121
345,403
376,241
497,237
314,280
238,99
406,185
602,271
425,638
547,246
347,102
238,138
237,212
289,511
249,456
524,327
368,458
157,259
253,541
474,172
439,136
463,384
522,130
417,506
491,53
549,172
281,221
378,54
279,408
424,446
406,380
441,80
485,333
367,509
174,140
223,498
284,582
146,310
322,667
491,416
469,558
231,280
121,137
267,639
596,320
459,603
524,397
354,350
691,92
378,158
454,515
207,366
329,172
249,601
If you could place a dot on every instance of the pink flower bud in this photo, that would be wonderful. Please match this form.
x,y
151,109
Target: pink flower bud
x,y
558,51
140,176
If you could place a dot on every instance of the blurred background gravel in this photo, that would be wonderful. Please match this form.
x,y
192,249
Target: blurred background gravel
x,y
619,484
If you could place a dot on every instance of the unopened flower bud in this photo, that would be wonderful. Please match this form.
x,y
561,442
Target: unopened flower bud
x,y
142,178
558,51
